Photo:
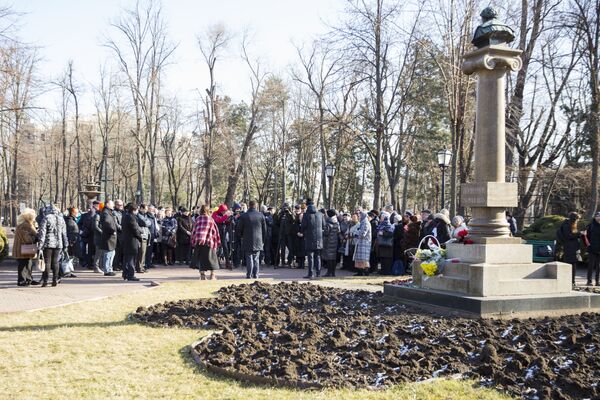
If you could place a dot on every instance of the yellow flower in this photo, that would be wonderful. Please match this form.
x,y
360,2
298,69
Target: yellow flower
x,y
429,269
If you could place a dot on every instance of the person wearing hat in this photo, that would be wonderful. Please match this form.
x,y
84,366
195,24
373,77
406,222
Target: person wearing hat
x,y
427,224
53,242
311,229
569,237
593,240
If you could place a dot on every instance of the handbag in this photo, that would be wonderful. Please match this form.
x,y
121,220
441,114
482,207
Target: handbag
x,y
384,241
29,250
66,266
41,265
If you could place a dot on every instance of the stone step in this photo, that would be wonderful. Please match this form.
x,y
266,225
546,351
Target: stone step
x,y
449,283
529,286
456,269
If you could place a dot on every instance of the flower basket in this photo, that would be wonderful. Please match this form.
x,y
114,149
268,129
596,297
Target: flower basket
x,y
430,261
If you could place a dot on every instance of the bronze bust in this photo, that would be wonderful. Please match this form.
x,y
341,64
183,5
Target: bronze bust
x,y
491,31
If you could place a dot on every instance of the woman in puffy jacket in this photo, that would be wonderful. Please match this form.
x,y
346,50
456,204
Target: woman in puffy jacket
x,y
25,234
331,240
53,242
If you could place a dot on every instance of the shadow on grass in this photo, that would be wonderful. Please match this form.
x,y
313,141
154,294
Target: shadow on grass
x,y
31,328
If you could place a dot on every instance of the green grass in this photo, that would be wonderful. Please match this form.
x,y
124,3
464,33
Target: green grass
x,y
90,350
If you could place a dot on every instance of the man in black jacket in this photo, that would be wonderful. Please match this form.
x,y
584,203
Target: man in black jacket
x,y
86,230
108,240
593,237
311,229
132,241
252,231
118,214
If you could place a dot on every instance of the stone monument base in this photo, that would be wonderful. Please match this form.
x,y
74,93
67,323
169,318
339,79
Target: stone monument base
x,y
497,306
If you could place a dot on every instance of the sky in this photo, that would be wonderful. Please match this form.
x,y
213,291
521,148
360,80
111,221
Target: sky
x,y
75,30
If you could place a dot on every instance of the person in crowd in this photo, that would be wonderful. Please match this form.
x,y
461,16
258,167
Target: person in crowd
x,y
183,234
237,254
373,217
362,253
73,235
331,238
53,242
313,225
97,229
132,241
266,254
25,234
512,223
118,214
400,228
458,226
86,230
384,243
274,237
426,223
299,250
168,236
144,224
221,218
205,240
441,226
154,229
350,242
251,231
159,254
412,237
108,240
286,219
568,235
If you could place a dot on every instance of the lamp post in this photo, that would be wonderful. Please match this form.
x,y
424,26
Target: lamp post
x,y
444,158
330,172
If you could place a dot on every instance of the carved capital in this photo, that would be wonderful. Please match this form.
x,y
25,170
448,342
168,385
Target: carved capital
x,y
493,57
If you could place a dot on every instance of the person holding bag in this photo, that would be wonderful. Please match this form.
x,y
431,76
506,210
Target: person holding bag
x,y
205,241
24,247
384,243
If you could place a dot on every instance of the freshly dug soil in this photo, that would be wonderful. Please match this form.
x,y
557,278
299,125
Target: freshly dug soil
x,y
335,337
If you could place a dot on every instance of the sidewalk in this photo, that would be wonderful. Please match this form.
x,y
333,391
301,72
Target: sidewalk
x,y
90,286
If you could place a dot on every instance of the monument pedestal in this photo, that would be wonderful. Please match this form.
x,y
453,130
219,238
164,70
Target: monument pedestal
x,y
495,276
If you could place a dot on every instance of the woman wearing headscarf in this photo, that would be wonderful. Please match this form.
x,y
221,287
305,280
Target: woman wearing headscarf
x,y
568,235
25,234
331,237
169,236
384,243
441,226
205,241
53,242
362,252
458,225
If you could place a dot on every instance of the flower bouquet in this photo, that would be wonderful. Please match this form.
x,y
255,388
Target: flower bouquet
x,y
431,260
463,237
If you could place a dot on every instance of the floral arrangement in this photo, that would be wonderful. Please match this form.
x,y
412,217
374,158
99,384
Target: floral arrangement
x,y
463,237
431,259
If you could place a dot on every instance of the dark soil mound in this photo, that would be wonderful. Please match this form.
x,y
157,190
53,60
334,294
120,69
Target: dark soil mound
x,y
340,338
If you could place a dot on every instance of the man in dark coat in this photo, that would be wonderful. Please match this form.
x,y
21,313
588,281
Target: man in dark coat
x,y
593,238
132,241
269,223
118,214
311,229
568,236
98,253
183,233
144,223
86,230
154,228
252,231
108,239
286,220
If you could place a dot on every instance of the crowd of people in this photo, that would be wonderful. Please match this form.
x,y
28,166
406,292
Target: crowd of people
x,y
112,237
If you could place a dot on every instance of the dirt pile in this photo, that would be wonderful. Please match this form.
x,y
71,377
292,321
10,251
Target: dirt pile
x,y
340,338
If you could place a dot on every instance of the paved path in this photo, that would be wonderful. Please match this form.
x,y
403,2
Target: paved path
x,y
89,285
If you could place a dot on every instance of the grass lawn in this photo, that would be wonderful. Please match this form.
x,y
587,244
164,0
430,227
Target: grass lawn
x,y
91,351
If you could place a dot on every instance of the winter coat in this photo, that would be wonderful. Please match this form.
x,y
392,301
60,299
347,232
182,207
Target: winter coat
x,y
219,216
168,226
252,230
312,228
412,236
570,243
363,240
108,224
132,235
154,227
53,231
298,242
350,241
331,239
456,231
97,229
385,234
269,223
144,224
184,229
25,233
286,220
86,226
399,231
72,230
441,229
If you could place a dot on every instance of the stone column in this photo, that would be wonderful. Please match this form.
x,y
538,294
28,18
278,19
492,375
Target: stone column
x,y
490,195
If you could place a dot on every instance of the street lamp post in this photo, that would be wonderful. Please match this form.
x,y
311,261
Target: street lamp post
x,y
330,172
444,158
